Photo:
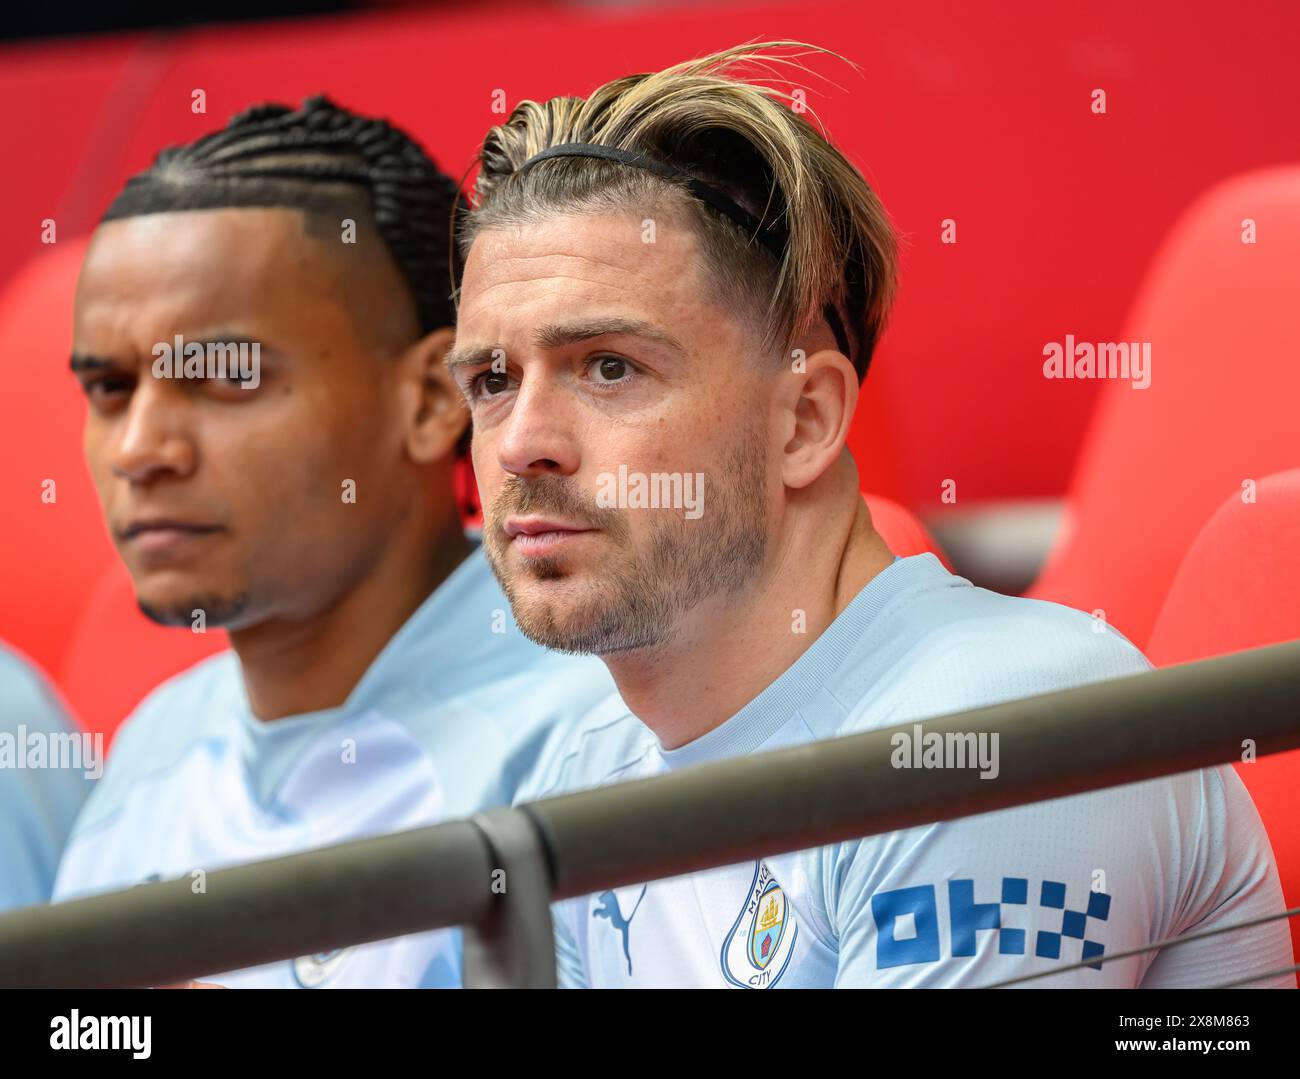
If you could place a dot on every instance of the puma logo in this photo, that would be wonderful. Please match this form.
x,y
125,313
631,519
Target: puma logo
x,y
607,907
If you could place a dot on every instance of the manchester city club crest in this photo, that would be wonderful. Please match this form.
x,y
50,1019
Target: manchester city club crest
x,y
313,971
760,944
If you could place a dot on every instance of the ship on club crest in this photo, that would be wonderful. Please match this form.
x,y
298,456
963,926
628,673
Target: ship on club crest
x,y
761,942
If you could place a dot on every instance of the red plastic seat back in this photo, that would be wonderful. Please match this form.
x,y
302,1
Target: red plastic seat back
x,y
54,546
901,529
1223,321
1239,587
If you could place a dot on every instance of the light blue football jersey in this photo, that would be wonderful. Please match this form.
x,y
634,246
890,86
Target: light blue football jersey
x,y
47,767
448,720
966,902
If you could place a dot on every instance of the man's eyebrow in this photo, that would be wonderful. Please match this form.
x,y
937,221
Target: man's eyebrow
x,y
225,339
557,335
80,363
567,333
470,356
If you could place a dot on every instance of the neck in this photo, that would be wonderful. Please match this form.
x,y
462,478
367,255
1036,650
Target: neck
x,y
294,666
728,649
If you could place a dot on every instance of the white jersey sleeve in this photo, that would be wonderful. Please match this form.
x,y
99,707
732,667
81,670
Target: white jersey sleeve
x,y
972,902
1025,890
1234,879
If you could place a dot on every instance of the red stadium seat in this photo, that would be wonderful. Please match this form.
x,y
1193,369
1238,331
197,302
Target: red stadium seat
x,y
55,550
901,529
1239,587
1223,320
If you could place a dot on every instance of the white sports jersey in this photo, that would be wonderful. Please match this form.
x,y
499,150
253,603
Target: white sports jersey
x,y
447,721
962,903
44,779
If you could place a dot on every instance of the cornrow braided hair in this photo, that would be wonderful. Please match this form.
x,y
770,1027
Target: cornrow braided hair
x,y
324,160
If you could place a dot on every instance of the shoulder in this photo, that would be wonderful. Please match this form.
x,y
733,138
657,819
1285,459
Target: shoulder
x,y
531,682
497,673
182,712
1029,643
173,713
597,748
958,647
517,714
1010,632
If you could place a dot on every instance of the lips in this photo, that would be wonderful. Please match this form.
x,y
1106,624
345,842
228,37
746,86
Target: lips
x,y
538,526
163,524
535,536
166,537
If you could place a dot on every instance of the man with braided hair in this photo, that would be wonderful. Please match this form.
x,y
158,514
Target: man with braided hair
x,y
304,503
672,287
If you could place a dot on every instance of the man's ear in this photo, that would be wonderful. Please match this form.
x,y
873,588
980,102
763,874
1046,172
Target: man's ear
x,y
433,407
818,397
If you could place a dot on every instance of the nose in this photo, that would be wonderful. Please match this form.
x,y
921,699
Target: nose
x,y
537,437
154,442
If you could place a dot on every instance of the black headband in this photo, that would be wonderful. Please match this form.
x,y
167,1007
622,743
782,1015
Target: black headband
x,y
769,235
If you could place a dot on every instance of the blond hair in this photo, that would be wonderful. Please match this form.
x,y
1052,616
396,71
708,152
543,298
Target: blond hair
x,y
736,136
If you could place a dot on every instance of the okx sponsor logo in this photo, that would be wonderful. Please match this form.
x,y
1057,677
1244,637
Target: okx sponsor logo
x,y
908,922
